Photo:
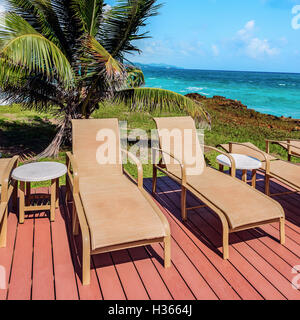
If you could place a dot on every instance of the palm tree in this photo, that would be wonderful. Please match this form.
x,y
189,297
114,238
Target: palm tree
x,y
69,56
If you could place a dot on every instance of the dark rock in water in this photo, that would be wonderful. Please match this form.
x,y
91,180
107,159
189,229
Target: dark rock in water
x,y
219,100
196,96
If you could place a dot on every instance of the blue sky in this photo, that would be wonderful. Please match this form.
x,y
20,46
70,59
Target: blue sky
x,y
254,35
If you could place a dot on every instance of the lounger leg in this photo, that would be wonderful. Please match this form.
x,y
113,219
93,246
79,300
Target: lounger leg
x,y
225,242
289,157
254,176
282,230
267,185
75,224
154,180
68,190
183,204
167,251
3,230
244,177
86,264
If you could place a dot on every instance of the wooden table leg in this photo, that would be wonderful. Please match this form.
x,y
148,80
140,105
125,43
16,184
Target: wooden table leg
x,y
15,196
28,193
53,200
22,202
244,176
57,193
254,174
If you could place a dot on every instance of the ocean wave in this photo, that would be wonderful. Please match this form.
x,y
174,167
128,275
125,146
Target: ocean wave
x,y
194,88
282,84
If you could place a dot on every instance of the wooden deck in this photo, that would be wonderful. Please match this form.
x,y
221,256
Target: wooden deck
x,y
41,259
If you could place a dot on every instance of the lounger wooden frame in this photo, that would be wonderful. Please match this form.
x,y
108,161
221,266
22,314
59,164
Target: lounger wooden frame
x,y
207,202
79,221
9,191
267,171
286,145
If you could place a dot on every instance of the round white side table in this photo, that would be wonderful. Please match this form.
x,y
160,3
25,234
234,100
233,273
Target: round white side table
x,y
243,163
38,172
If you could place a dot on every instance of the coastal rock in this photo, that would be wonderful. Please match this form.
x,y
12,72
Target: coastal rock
x,y
219,100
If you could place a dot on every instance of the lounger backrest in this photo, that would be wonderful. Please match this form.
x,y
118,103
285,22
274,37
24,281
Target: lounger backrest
x,y
239,149
179,137
96,146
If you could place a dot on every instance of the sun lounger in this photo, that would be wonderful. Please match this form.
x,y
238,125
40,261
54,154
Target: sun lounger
x,y
8,191
285,172
112,211
238,206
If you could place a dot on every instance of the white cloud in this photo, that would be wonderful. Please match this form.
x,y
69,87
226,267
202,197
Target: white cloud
x,y
2,9
253,46
215,50
247,30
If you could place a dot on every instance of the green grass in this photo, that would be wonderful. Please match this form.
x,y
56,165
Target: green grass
x,y
30,132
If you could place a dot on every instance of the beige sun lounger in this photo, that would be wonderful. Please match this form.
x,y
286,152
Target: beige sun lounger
x,y
8,191
112,211
285,172
238,206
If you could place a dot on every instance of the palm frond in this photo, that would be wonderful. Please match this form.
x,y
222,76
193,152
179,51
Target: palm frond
x,y
103,59
155,99
122,25
31,11
135,77
89,13
22,45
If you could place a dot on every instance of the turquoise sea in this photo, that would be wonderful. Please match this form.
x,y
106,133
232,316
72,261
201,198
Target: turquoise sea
x,y
272,93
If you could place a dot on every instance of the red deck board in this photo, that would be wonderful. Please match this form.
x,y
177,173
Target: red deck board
x,y
172,278
109,280
93,291
155,286
65,280
132,283
42,273
6,254
192,276
43,279
20,281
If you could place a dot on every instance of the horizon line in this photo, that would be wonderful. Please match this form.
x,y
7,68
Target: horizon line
x,y
164,65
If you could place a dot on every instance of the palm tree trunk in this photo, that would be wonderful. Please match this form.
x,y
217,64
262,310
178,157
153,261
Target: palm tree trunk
x,y
52,150
63,135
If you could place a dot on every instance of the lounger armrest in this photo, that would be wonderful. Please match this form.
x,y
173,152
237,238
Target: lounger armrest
x,y
72,173
138,163
182,165
268,163
288,144
6,179
233,165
